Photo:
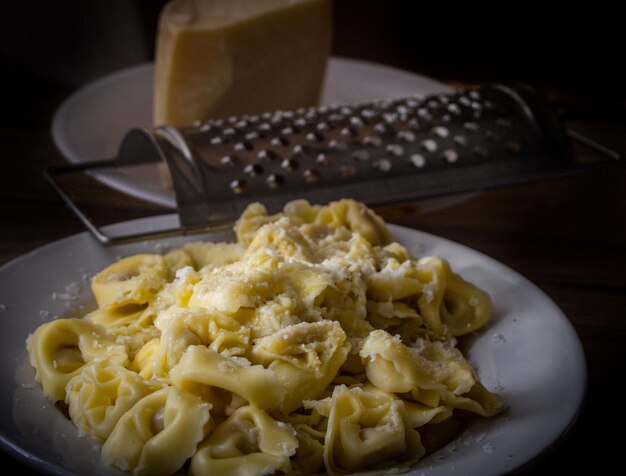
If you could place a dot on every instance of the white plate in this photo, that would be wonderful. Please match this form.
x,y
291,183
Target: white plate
x,y
530,355
91,123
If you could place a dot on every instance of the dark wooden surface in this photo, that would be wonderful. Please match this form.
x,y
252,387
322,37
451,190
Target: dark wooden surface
x,y
567,236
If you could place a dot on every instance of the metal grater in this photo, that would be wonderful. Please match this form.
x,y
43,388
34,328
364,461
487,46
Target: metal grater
x,y
379,152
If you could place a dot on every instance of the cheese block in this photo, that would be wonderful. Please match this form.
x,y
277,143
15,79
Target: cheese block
x,y
218,58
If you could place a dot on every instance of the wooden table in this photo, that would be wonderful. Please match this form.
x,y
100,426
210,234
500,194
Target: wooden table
x,y
567,236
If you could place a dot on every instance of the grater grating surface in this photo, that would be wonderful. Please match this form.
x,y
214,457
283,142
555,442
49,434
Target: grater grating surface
x,y
379,152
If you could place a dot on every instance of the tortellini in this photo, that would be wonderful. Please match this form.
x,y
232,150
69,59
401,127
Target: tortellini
x,y
60,349
367,429
128,286
159,433
101,394
248,443
311,344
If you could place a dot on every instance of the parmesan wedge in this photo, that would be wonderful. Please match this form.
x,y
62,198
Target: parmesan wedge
x,y
218,58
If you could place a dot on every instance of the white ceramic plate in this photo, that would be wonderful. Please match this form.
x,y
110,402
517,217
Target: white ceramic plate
x,y
91,123
530,355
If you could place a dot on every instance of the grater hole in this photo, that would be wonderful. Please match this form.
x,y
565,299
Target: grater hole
x,y
404,110
311,175
395,150
254,135
290,164
324,109
445,119
337,145
335,117
424,113
275,181
440,131
460,140
289,130
450,156
314,137
279,141
205,127
429,145
346,110
471,126
371,141
244,146
361,155
242,124
390,117
414,124
238,186
349,132
384,165
381,128
300,150
217,140
322,126
265,127
412,103
229,160
324,160
357,122
267,155
253,170
454,109
299,123
407,136
229,131
417,160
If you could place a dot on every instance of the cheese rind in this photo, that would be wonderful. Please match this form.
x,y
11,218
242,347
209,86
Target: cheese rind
x,y
219,58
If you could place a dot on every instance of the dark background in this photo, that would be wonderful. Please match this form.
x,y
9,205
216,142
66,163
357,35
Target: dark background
x,y
567,236
573,54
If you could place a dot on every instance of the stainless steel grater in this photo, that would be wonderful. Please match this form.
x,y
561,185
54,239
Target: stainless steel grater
x,y
379,152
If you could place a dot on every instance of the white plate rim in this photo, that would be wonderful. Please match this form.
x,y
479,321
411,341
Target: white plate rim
x,y
439,463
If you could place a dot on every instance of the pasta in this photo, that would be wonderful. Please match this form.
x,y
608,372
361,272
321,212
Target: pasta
x,y
313,343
